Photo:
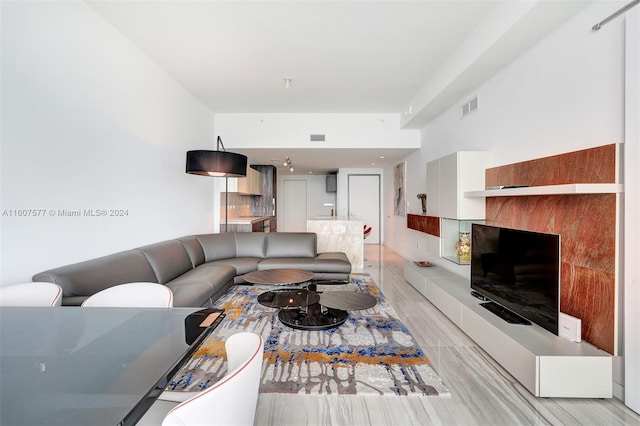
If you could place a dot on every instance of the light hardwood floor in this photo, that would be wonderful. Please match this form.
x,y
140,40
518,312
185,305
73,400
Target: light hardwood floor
x,y
482,393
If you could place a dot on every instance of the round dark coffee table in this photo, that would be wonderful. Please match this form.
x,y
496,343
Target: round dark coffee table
x,y
288,298
278,276
314,317
299,308
348,300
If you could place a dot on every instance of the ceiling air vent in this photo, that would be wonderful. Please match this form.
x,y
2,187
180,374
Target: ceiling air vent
x,y
469,107
316,138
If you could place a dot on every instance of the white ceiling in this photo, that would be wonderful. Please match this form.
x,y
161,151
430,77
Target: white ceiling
x,y
342,56
321,161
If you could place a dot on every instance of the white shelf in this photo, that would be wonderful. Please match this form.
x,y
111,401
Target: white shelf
x,y
547,365
572,188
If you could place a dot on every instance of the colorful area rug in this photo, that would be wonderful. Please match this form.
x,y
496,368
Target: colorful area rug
x,y
371,353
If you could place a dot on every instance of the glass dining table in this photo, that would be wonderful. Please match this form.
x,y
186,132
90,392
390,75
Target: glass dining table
x,y
88,366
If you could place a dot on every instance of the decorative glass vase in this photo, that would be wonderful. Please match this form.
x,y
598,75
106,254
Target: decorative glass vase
x,y
463,247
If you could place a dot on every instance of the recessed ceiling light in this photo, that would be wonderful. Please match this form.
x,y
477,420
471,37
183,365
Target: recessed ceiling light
x,y
287,82
373,164
382,157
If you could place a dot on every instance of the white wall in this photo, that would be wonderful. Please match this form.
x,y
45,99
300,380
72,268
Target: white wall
x,y
293,130
343,187
631,290
564,94
409,243
342,195
89,122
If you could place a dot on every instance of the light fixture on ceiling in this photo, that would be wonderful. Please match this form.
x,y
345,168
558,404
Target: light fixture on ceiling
x,y
287,164
217,164
287,82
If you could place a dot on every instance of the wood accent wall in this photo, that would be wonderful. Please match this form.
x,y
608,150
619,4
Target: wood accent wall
x,y
586,223
427,224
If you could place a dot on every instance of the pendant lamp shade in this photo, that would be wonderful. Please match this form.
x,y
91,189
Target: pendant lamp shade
x,y
216,163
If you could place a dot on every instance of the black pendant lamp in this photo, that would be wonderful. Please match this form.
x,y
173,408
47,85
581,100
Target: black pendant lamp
x,y
216,163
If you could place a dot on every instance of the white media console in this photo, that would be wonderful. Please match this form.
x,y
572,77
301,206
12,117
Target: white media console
x,y
545,364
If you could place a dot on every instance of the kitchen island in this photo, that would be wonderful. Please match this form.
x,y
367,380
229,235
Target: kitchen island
x,y
249,224
340,234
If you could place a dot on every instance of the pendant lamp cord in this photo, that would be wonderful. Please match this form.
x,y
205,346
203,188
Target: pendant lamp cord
x,y
226,189
220,143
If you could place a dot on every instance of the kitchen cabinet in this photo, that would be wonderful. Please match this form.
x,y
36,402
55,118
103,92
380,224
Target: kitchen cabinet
x,y
249,185
250,224
262,225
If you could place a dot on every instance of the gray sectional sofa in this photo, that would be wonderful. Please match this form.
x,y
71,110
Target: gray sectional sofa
x,y
198,268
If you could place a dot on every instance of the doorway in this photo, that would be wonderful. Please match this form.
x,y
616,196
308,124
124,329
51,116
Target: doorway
x,y
364,203
294,206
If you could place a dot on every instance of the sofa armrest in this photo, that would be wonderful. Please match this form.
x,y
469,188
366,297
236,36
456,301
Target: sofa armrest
x,y
91,276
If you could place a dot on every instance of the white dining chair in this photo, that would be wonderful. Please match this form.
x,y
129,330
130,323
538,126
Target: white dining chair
x,y
132,295
31,294
231,401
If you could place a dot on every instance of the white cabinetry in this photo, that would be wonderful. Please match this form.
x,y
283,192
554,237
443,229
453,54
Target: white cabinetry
x,y
448,178
547,365
249,185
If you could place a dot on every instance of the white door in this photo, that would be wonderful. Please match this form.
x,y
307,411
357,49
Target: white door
x,y
364,203
294,206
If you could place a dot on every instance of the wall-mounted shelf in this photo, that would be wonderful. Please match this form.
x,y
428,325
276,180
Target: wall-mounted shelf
x,y
427,224
573,188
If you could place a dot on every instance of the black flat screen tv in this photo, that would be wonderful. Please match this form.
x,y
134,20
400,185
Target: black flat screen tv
x,y
518,270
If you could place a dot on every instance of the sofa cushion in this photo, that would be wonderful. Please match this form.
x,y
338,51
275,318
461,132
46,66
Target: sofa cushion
x,y
206,273
218,246
199,286
74,300
250,244
194,249
168,259
191,294
297,244
242,265
91,276
333,262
